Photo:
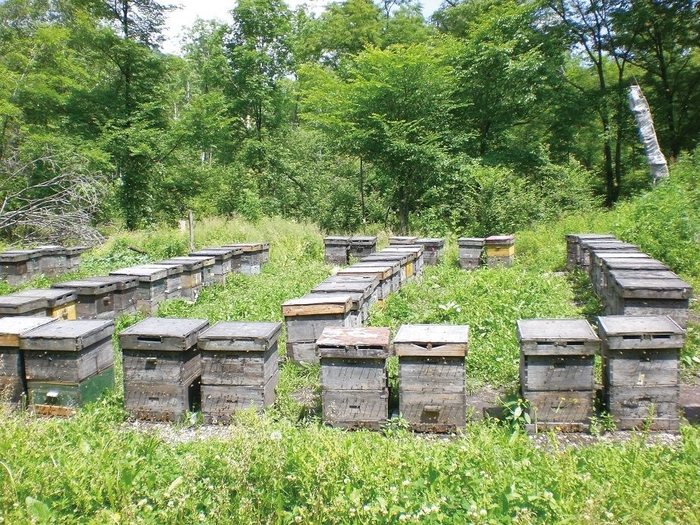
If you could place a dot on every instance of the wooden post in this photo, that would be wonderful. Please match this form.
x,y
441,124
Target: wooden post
x,y
190,219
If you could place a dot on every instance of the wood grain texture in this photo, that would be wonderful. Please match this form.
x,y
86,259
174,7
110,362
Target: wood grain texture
x,y
162,334
546,372
220,403
69,336
561,407
239,368
160,402
61,399
68,366
161,367
355,409
353,374
433,411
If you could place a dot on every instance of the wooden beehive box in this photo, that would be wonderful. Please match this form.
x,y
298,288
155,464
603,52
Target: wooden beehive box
x,y
306,318
641,370
19,266
151,288
357,305
407,239
124,295
393,267
434,248
470,252
650,296
223,260
416,260
13,388
73,257
239,368
432,376
588,247
175,277
60,302
556,371
611,300
573,246
191,277
162,367
499,250
251,258
354,391
362,246
362,292
371,281
95,297
15,305
208,262
404,260
336,250
68,364
53,260
599,258
382,273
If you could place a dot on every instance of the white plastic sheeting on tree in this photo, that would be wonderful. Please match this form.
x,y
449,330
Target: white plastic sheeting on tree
x,y
642,114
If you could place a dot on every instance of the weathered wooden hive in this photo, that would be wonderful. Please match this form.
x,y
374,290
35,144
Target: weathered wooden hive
x,y
432,376
398,270
589,247
642,269
383,273
208,262
73,257
404,260
95,297
641,367
305,319
15,305
556,371
354,391
223,260
239,368
53,260
407,239
13,388
499,250
362,291
67,364
336,250
649,295
60,302
434,248
151,288
362,246
251,258
372,281
357,305
192,276
596,269
391,270
416,259
162,367
174,281
124,294
470,252
19,266
573,247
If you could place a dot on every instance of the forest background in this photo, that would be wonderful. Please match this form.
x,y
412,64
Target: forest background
x,y
489,117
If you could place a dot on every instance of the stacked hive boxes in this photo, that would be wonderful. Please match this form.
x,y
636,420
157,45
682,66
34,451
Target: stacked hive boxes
x,y
239,368
95,297
20,266
434,248
556,371
362,246
60,303
641,358
500,250
470,252
354,390
336,250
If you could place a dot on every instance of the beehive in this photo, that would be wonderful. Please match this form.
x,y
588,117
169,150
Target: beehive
x,y
362,246
383,273
573,247
15,305
124,294
404,268
162,367
223,260
556,371
434,248
13,388
68,364
416,260
470,252
19,266
402,240
650,296
354,391
95,297
208,262
432,378
499,250
60,302
624,267
191,276
641,367
372,281
73,257
590,246
336,250
174,281
151,288
599,258
53,260
251,258
365,289
397,271
239,368
305,319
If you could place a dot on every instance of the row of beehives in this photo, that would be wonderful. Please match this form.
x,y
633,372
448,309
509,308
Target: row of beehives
x,y
641,383
495,251
138,288
627,281
20,266
343,300
339,250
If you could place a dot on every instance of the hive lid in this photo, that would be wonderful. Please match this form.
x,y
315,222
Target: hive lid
x,y
588,236
121,282
431,241
54,296
383,272
162,334
623,263
631,287
631,325
52,249
90,286
16,304
395,265
327,304
471,241
361,342
12,327
70,336
364,240
414,249
214,249
144,273
500,239
340,287
555,331
370,280
173,268
239,336
402,240
336,239
76,250
15,256
401,257
219,254
432,340
641,273
607,255
247,247
608,245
